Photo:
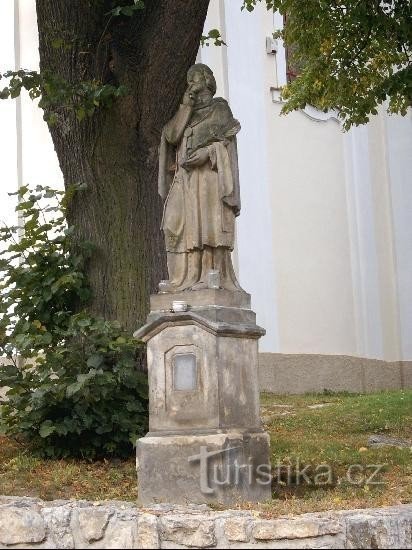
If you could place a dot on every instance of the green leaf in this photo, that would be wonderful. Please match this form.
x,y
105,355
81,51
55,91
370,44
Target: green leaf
x,y
47,338
80,113
72,389
95,361
127,10
46,429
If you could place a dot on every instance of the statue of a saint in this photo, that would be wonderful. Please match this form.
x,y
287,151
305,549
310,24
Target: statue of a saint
x,y
199,182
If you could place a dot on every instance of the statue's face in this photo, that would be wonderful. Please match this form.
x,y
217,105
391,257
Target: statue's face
x,y
196,82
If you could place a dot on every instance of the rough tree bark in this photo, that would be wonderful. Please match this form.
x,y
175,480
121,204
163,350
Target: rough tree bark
x,y
116,151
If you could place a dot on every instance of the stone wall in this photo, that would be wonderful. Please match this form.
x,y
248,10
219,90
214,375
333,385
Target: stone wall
x,y
300,373
31,523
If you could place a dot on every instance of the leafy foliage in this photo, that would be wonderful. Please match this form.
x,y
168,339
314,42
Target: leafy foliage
x,y
355,55
213,35
56,94
82,398
128,10
85,97
78,392
42,280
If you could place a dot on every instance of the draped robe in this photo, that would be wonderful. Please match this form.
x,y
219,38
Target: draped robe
x,y
201,203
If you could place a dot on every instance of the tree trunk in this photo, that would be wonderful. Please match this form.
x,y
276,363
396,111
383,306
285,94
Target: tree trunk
x,y
115,153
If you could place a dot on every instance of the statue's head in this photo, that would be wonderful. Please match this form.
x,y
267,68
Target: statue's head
x,y
200,77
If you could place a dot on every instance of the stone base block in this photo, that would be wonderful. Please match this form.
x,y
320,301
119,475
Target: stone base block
x,y
198,298
219,468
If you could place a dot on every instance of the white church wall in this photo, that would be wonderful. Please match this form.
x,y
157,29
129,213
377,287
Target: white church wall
x,y
249,98
399,156
39,161
384,237
240,68
311,244
8,129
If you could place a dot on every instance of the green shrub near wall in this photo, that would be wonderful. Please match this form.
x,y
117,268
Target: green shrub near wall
x,y
76,390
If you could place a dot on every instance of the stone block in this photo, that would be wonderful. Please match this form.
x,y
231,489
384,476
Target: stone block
x,y
372,532
93,523
147,531
58,525
215,314
296,528
122,531
188,531
225,392
205,297
203,400
216,468
236,530
404,530
21,526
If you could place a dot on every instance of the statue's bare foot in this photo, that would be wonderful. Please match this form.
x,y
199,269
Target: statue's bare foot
x,y
199,286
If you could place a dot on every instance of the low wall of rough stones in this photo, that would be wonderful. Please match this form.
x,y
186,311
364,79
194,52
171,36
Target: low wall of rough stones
x,y
31,523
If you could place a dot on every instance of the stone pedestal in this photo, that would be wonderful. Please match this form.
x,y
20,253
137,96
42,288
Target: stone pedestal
x,y
205,442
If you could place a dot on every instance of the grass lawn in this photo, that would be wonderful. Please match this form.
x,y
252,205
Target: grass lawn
x,y
334,433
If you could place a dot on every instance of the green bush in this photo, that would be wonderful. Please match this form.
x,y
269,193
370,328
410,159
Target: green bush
x,y
77,390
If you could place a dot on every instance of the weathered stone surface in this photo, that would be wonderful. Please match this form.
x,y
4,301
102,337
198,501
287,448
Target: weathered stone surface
x,y
170,469
202,197
189,531
58,524
215,314
236,530
381,528
93,523
404,530
298,528
226,394
205,297
159,321
369,532
385,441
30,523
147,531
123,536
217,412
122,531
325,542
21,525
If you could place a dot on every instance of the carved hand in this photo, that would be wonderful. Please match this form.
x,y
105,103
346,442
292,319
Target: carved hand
x,y
198,158
189,98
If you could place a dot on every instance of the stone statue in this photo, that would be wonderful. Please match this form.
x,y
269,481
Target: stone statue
x,y
202,342
199,182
